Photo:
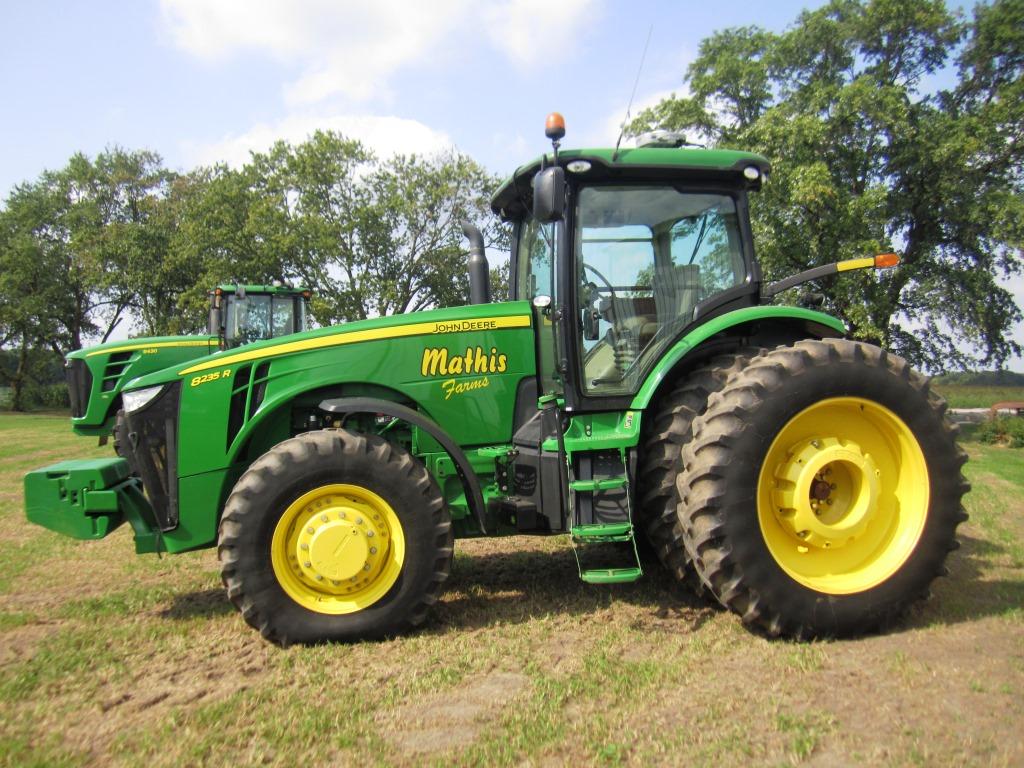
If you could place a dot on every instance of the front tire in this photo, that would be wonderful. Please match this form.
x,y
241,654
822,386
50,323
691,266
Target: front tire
x,y
334,536
822,490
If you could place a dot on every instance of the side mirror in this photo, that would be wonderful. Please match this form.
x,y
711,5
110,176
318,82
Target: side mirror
x,y
549,194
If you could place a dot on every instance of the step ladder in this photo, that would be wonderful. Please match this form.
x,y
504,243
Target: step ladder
x,y
586,534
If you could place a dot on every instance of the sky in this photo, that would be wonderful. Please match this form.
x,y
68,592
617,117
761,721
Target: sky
x,y
203,81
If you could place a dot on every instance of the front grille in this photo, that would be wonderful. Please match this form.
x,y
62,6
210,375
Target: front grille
x,y
79,386
153,453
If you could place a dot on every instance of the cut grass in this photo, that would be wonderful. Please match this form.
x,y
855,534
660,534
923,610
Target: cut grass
x,y
110,658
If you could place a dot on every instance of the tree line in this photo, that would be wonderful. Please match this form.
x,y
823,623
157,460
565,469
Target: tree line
x,y
120,239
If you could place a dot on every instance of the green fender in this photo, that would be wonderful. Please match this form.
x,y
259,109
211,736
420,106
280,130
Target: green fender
x,y
692,340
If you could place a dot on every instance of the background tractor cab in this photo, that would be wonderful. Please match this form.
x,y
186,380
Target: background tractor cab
x,y
239,314
242,314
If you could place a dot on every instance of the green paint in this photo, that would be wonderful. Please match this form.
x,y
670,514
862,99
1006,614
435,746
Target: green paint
x,y
89,499
114,364
702,333
636,162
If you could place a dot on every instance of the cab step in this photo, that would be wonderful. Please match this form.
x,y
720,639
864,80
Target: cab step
x,y
603,532
604,484
611,575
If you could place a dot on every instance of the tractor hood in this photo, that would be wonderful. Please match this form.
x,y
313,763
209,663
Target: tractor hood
x,y
448,320
143,345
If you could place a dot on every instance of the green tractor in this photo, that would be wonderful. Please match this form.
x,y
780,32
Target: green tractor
x,y
639,383
239,314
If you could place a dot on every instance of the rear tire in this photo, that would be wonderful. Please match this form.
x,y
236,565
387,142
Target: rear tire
x,y
334,536
822,490
665,431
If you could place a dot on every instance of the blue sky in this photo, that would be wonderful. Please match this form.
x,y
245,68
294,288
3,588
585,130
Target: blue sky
x,y
206,80
201,81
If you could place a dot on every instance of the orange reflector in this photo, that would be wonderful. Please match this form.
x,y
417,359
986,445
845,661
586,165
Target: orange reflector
x,y
885,260
554,126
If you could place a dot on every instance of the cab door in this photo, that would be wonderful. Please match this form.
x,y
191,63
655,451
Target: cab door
x,y
537,282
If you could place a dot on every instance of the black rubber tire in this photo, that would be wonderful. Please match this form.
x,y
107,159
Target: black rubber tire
x,y
304,463
718,487
666,429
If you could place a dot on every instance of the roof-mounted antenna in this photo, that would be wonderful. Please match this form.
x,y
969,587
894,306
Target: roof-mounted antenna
x,y
636,82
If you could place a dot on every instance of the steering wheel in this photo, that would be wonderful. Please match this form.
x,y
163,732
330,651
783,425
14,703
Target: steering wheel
x,y
602,278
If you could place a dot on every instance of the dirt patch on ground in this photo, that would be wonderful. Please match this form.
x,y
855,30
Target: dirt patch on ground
x,y
450,720
153,687
953,696
21,643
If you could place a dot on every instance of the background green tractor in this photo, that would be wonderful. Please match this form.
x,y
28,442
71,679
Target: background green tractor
x,y
239,314
640,381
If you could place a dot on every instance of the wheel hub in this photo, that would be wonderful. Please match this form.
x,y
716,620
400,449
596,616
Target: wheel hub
x,y
826,491
337,550
338,546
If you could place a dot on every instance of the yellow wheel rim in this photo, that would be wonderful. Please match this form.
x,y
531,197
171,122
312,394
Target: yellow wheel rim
x,y
843,495
337,549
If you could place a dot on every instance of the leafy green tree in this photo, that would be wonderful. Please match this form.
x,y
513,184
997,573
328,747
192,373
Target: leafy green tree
x,y
41,286
869,155
370,237
118,228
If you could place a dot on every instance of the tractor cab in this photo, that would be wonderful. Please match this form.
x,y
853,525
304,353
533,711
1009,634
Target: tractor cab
x,y
619,257
242,314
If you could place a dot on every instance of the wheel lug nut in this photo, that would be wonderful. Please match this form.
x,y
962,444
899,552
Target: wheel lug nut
x,y
341,515
816,443
373,550
308,564
311,529
366,567
335,583
369,534
323,518
304,546
319,577
359,521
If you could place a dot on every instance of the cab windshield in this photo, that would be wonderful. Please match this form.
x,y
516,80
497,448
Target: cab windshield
x,y
256,317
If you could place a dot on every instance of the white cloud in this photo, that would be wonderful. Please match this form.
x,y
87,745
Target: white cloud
x,y
353,48
384,134
531,32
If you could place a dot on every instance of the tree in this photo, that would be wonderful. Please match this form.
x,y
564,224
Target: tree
x,y
40,284
371,237
116,218
868,156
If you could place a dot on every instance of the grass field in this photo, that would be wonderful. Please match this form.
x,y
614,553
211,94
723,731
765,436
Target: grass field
x,y
111,659
967,396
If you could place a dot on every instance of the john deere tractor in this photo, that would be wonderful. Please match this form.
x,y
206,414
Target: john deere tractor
x,y
239,314
640,383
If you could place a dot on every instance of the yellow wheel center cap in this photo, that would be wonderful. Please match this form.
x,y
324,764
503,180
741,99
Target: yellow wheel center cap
x,y
826,491
337,550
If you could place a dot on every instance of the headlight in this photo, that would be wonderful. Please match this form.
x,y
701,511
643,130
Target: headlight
x,y
139,398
